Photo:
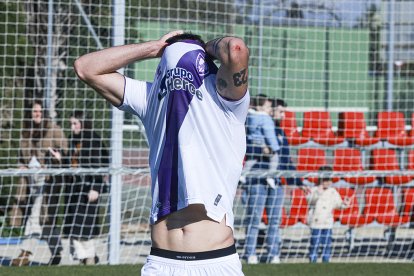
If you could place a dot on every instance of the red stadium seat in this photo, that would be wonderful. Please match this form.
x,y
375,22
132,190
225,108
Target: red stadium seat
x,y
318,126
289,126
352,125
298,209
380,206
265,219
391,127
310,160
349,159
350,215
386,160
408,203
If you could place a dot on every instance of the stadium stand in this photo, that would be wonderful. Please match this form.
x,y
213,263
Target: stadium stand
x,y
348,160
391,128
380,206
318,126
283,221
408,204
349,215
309,160
298,210
384,159
352,126
289,126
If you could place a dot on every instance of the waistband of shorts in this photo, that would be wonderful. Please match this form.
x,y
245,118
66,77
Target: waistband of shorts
x,y
193,256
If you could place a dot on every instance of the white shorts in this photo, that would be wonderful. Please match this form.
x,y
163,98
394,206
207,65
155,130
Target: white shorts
x,y
229,265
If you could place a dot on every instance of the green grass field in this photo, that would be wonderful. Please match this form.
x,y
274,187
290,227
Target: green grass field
x,y
365,269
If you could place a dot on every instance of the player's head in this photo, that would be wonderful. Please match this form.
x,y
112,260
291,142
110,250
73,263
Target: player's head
x,y
184,37
261,102
279,109
324,176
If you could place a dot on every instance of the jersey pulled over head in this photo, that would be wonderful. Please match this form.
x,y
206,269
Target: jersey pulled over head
x,y
196,137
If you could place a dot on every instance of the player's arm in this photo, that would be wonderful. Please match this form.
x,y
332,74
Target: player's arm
x,y
98,69
232,75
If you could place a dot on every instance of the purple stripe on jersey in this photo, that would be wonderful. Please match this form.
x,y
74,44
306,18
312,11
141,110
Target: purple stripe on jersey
x,y
178,105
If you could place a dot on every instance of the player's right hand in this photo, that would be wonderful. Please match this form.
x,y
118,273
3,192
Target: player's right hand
x,y
164,38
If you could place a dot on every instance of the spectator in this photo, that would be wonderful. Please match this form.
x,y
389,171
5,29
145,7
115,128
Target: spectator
x,y
82,192
261,193
262,146
42,145
284,164
285,160
323,199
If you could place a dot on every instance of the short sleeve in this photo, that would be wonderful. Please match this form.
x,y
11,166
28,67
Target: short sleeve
x,y
135,97
239,107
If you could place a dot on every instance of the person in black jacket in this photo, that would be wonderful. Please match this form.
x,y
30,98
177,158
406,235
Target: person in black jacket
x,y
82,192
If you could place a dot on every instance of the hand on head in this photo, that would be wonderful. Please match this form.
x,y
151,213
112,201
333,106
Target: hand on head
x,y
171,34
164,38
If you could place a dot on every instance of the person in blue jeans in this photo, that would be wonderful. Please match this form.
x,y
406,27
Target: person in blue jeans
x,y
285,163
260,196
261,154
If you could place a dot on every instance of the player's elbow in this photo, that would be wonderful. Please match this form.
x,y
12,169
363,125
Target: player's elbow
x,y
81,70
77,66
237,50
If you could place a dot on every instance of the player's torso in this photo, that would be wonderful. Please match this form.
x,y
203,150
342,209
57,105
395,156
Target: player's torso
x,y
200,143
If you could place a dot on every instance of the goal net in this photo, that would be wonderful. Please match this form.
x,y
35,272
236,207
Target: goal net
x,y
343,68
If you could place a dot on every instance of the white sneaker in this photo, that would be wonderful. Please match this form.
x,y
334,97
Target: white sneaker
x,y
252,259
275,260
271,182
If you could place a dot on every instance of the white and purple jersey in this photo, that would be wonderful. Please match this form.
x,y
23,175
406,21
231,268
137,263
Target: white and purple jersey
x,y
196,137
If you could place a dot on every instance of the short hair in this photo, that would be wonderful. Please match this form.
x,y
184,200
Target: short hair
x,y
185,36
322,170
279,102
260,99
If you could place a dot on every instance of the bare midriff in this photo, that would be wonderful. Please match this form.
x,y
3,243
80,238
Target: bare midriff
x,y
191,230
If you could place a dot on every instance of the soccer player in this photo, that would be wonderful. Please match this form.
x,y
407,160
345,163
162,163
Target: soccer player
x,y
194,115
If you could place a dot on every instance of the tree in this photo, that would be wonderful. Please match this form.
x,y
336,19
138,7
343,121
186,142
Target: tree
x,y
44,73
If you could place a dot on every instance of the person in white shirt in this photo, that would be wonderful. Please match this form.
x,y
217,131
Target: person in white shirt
x,y
322,200
194,114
